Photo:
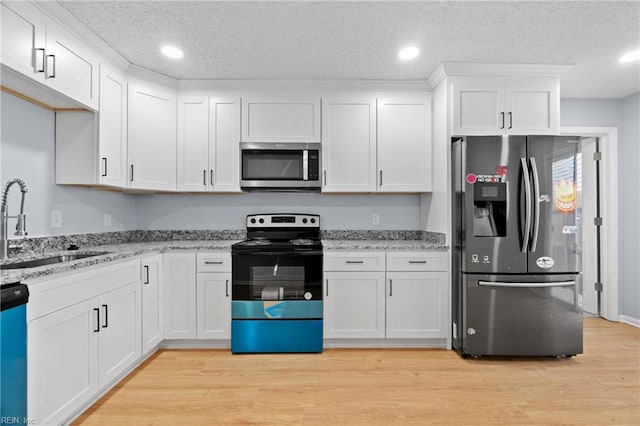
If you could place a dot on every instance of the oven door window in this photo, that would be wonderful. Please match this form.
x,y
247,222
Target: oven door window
x,y
272,165
277,277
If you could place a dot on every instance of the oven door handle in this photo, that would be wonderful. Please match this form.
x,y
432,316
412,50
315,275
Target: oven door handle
x,y
280,253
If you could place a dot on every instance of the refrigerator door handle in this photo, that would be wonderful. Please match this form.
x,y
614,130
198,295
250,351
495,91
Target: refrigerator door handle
x,y
536,204
527,203
522,285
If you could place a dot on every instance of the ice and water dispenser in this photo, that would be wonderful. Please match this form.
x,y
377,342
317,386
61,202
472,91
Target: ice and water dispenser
x,y
490,209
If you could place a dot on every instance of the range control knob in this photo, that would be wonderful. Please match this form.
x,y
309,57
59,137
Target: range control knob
x,y
253,220
313,220
261,220
304,220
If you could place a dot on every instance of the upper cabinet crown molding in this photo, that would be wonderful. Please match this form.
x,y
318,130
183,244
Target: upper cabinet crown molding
x,y
448,69
152,77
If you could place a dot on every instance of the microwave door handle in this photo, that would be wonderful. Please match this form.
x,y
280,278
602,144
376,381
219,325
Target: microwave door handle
x,y
305,164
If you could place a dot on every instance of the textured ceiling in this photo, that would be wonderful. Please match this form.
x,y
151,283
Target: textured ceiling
x,y
326,40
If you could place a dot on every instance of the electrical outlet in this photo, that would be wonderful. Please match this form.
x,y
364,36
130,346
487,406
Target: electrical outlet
x,y
107,219
56,219
375,219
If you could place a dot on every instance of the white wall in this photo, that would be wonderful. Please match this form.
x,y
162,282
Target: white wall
x,y
27,150
623,114
207,211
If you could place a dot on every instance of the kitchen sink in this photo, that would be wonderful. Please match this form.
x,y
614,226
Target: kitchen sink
x,y
50,260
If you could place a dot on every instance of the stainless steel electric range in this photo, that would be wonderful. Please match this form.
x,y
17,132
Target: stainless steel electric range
x,y
277,285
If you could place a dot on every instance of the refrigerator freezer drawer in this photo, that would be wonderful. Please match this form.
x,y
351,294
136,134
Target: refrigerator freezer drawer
x,y
532,315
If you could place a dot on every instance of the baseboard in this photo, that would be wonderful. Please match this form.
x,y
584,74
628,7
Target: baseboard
x,y
629,320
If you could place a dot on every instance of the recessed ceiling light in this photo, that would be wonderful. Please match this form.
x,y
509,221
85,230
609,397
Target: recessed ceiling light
x,y
408,52
631,56
172,52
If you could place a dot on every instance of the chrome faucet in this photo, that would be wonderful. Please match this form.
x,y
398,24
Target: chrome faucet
x,y
21,229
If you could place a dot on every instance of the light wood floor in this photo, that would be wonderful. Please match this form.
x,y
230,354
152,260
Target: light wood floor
x,y
384,387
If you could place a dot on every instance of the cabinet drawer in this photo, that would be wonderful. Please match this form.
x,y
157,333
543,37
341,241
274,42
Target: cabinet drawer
x,y
416,261
68,289
354,261
213,262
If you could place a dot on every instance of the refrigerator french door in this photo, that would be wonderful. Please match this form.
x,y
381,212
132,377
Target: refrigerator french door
x,y
517,284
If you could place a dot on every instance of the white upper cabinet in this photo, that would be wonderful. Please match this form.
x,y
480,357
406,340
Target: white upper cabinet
x,y
23,39
193,144
208,144
91,148
504,105
152,136
404,144
349,144
37,47
112,127
281,119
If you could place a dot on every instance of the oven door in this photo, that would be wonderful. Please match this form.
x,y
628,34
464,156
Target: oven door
x,y
277,276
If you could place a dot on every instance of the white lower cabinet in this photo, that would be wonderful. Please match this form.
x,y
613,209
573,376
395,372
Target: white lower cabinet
x,y
354,304
197,305
214,305
179,295
392,295
83,333
151,302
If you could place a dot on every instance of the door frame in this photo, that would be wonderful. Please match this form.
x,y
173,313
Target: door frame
x,y
610,215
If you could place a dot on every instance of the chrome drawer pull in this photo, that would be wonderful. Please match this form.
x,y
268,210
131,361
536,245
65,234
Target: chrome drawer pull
x,y
417,261
213,262
354,261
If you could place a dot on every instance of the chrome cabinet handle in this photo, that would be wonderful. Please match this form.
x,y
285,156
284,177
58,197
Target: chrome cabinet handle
x,y
204,177
326,286
226,286
131,177
502,116
510,120
390,287
39,60
146,268
51,68
104,166
380,177
97,311
211,178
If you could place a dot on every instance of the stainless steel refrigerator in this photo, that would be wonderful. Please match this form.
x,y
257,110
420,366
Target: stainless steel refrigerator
x,y
517,286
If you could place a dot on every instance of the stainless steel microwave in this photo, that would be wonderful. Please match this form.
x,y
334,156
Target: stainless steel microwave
x,y
280,166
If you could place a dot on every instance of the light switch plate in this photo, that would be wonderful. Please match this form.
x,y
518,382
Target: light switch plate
x,y
375,219
107,219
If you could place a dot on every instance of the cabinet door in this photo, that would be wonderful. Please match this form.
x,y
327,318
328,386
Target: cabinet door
x,y
120,326
404,145
416,305
23,39
281,119
224,140
193,144
71,67
152,136
179,295
214,305
478,106
349,144
112,127
532,106
62,362
151,302
354,304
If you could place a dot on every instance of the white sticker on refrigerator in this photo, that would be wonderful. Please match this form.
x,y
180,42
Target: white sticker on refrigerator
x,y
545,262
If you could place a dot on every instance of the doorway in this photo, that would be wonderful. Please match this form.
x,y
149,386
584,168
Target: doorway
x,y
589,193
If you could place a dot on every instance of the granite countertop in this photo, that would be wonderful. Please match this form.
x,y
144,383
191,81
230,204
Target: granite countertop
x,y
115,246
